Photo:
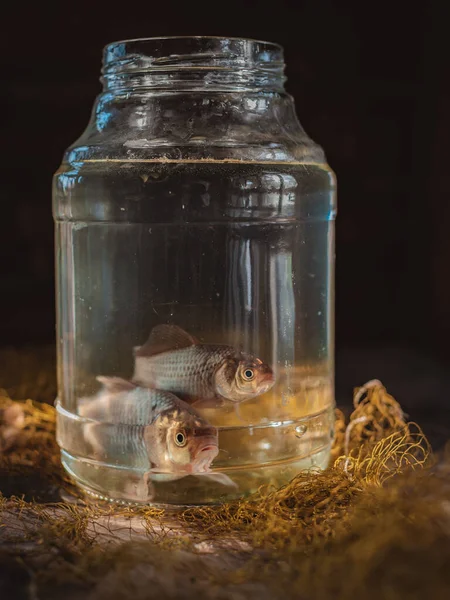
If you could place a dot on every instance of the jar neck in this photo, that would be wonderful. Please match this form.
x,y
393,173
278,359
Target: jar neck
x,y
192,64
194,99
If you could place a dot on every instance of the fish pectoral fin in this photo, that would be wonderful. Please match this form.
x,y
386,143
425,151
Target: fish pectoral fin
x,y
218,478
163,476
164,338
115,384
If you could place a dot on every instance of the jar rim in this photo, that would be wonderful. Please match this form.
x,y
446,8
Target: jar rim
x,y
195,37
176,62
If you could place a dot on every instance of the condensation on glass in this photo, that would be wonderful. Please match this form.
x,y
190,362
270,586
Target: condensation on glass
x,y
195,264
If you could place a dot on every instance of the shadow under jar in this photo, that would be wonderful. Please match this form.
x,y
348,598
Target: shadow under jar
x,y
195,264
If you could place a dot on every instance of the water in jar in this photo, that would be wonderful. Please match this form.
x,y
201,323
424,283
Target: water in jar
x,y
195,326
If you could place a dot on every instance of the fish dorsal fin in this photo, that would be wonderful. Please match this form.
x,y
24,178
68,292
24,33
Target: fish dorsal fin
x,y
115,384
164,338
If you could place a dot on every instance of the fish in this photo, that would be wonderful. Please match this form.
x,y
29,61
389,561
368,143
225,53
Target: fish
x,y
157,432
175,361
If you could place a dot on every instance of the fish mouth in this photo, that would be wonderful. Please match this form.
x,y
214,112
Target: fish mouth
x,y
208,448
267,382
204,457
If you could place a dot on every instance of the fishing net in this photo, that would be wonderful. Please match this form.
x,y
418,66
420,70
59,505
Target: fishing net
x,y
376,524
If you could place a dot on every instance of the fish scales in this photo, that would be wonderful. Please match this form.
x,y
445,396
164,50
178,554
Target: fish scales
x,y
124,417
137,407
121,440
188,370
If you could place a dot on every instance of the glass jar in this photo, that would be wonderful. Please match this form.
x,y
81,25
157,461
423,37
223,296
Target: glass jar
x,y
195,264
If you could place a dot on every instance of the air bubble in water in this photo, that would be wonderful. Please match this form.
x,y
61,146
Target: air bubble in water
x,y
300,430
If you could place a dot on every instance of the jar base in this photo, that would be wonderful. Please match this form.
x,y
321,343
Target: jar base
x,y
125,486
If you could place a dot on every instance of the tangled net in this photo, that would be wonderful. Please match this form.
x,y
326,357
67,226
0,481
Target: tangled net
x,y
375,523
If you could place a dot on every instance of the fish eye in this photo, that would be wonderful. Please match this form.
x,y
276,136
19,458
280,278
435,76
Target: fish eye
x,y
180,439
249,374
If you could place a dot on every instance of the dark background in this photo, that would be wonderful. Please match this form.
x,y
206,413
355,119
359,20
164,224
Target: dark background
x,y
369,81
